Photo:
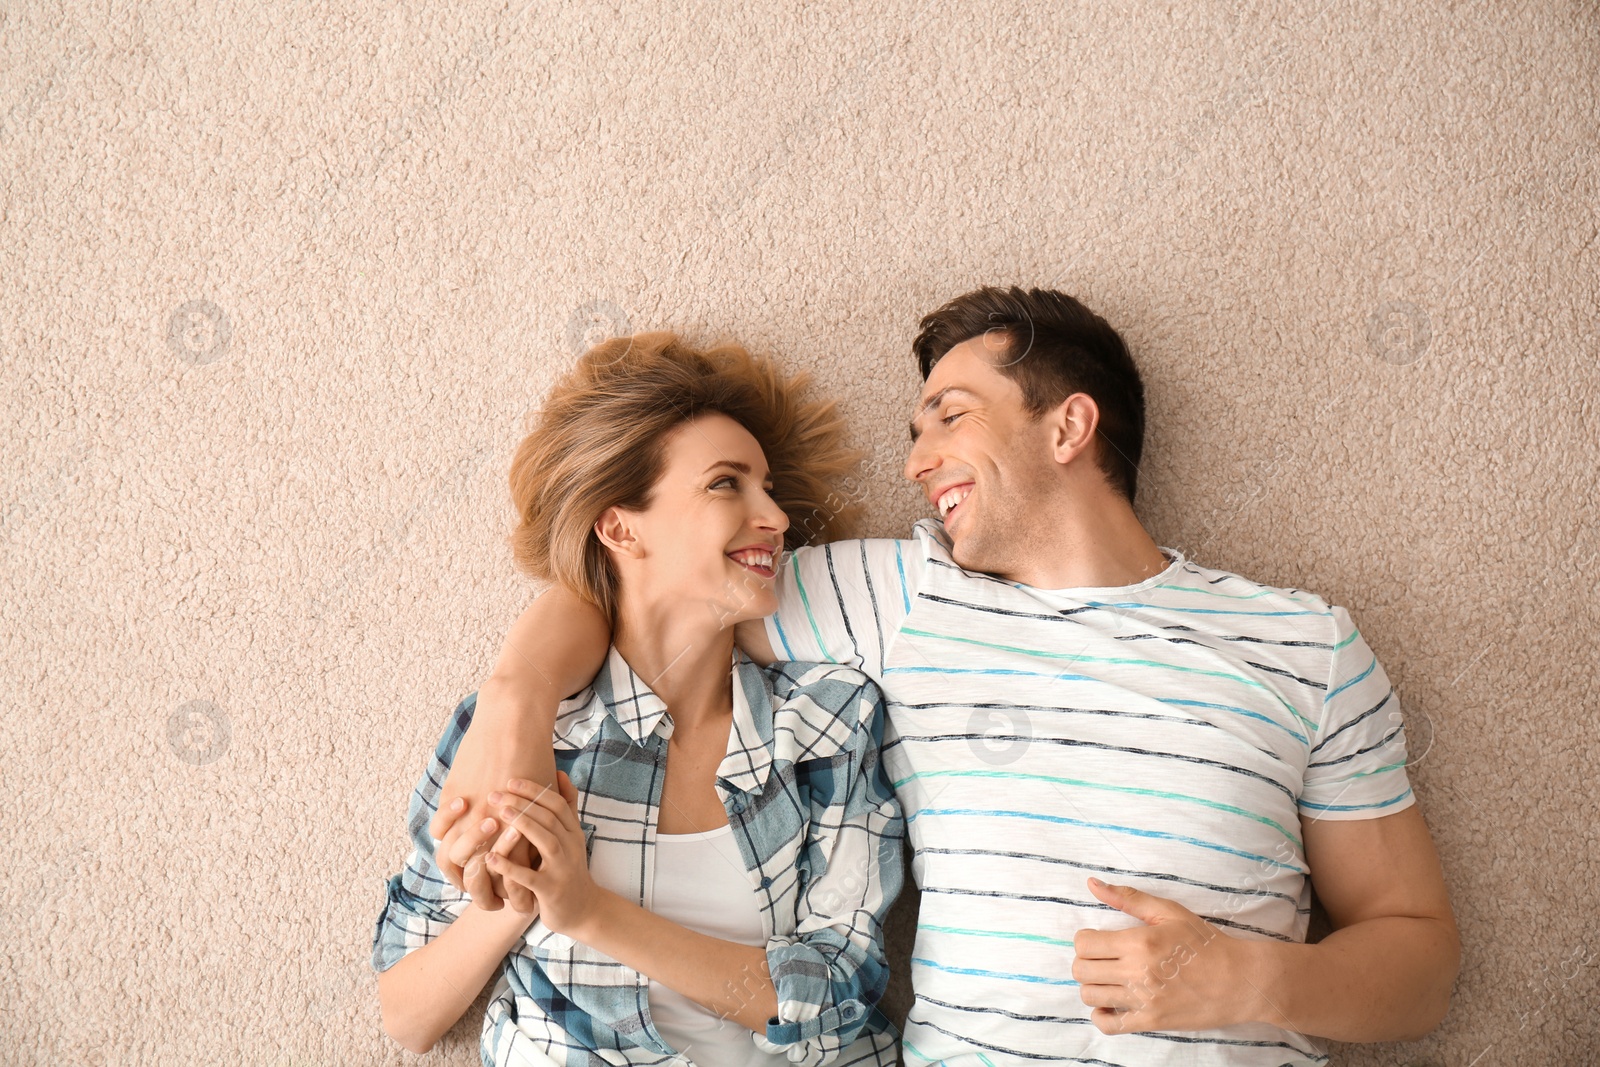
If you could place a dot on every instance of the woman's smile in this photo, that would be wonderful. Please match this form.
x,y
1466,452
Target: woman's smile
x,y
756,558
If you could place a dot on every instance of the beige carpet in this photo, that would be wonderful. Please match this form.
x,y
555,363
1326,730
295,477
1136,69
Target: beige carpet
x,y
281,284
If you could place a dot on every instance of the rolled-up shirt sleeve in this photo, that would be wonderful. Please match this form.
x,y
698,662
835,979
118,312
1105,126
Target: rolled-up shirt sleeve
x,y
420,903
830,974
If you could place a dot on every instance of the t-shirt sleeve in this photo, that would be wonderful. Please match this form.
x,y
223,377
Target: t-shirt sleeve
x,y
844,602
1357,768
420,903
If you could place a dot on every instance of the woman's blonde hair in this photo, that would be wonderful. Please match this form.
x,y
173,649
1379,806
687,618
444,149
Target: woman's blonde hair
x,y
598,442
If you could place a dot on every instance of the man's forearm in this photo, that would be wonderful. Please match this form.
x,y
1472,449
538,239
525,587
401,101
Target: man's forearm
x,y
553,650
1384,979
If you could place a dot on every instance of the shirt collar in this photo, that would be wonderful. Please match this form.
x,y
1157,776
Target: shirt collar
x,y
639,711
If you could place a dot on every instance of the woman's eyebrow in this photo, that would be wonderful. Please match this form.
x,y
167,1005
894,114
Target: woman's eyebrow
x,y
742,468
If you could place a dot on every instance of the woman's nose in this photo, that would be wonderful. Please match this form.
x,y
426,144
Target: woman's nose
x,y
769,516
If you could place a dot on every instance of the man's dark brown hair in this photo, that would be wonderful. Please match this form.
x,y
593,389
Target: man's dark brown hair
x,y
1054,347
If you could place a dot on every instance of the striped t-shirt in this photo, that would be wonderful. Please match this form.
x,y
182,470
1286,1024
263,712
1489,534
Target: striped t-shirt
x,y
1170,735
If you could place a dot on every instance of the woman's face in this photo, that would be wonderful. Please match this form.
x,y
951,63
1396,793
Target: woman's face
x,y
711,534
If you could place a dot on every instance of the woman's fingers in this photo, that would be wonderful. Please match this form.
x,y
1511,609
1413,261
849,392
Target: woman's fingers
x,y
540,827
560,800
515,874
506,841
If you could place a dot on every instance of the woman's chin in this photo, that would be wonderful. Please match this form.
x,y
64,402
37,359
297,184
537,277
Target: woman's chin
x,y
758,604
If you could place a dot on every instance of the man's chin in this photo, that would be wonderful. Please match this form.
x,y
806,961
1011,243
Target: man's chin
x,y
962,551
972,553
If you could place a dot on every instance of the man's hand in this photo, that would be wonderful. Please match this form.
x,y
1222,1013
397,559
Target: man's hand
x,y
1177,972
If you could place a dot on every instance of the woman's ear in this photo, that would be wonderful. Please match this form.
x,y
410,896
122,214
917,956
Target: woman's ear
x,y
1072,426
615,530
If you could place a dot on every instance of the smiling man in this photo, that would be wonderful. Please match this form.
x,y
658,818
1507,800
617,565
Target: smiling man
x,y
1122,771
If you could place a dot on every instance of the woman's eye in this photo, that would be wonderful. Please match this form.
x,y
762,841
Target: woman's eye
x,y
727,481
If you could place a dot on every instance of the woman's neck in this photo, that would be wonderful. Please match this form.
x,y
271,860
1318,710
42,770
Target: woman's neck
x,y
684,659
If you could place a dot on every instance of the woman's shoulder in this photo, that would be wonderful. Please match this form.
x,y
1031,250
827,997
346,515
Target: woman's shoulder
x,y
843,692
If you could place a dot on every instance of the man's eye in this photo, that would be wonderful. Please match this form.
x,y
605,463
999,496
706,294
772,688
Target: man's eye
x,y
948,419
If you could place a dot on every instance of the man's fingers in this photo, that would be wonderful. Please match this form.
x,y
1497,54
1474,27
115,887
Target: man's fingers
x,y
449,811
518,895
474,839
447,866
1115,997
480,886
1098,972
1095,944
1112,1021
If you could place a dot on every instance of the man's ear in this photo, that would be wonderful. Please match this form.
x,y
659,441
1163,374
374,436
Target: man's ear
x,y
1072,426
615,530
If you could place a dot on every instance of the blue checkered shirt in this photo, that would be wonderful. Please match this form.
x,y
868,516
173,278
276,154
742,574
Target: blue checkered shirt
x,y
815,820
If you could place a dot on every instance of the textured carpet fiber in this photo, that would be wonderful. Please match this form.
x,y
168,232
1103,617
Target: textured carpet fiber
x,y
282,283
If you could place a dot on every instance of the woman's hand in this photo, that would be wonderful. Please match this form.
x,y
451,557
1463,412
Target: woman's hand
x,y
568,899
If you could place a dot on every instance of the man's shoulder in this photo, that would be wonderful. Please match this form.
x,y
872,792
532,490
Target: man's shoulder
x,y
1192,579
871,546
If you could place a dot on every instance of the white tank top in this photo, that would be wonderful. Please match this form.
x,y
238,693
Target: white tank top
x,y
700,883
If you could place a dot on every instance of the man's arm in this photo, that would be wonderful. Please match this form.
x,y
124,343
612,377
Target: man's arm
x,y
1387,970
1384,974
553,650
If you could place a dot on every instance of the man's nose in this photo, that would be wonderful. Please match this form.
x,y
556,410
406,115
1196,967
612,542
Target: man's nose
x,y
920,460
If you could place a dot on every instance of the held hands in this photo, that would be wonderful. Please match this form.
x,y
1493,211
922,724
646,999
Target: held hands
x,y
1177,972
462,852
568,899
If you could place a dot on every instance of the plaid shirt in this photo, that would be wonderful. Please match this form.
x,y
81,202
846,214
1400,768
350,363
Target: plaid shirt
x,y
816,823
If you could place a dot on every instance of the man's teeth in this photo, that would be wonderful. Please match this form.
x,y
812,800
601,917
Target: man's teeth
x,y
754,558
952,498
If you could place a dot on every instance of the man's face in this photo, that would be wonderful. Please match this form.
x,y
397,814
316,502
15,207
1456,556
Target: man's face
x,y
983,464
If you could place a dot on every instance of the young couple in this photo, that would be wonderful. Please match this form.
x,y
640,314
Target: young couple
x,y
1121,771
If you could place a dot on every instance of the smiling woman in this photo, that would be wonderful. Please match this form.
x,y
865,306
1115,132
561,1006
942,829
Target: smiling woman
x,y
599,442
722,846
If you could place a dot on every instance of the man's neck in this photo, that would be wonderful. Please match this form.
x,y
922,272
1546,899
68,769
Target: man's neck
x,y
1091,547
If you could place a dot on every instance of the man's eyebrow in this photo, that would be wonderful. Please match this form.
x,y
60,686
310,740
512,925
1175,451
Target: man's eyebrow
x,y
933,402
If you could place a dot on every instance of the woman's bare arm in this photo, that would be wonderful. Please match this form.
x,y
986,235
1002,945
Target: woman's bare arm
x,y
423,994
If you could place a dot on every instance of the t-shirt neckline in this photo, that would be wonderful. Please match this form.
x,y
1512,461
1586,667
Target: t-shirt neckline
x,y
1175,560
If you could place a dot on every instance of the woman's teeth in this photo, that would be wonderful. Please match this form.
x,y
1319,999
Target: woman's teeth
x,y
953,497
754,558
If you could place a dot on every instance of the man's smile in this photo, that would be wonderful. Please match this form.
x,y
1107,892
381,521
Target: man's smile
x,y
950,498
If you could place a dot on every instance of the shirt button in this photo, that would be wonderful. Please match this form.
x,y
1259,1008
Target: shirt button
x,y
766,881
851,1009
